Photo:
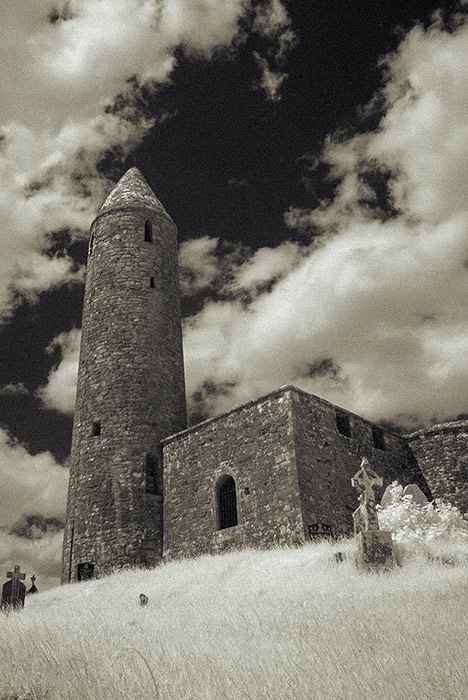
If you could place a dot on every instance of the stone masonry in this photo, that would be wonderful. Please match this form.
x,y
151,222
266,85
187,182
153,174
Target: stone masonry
x,y
130,387
442,454
292,468
275,471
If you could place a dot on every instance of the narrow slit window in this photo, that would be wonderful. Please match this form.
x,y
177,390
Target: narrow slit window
x,y
91,243
343,424
152,282
153,480
96,428
148,231
378,438
226,503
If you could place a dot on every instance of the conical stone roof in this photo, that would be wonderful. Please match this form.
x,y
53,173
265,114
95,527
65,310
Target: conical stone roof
x,y
132,191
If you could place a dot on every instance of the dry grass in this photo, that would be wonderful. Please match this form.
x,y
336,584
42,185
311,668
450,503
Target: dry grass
x,y
283,624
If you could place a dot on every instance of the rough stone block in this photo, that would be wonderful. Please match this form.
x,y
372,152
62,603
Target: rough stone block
x,y
375,550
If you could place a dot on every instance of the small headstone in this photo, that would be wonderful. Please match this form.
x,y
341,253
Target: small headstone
x,y
143,599
13,591
375,548
416,494
386,499
33,588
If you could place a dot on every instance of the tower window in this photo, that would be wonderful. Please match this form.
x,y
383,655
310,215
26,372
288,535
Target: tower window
x,y
96,428
226,503
148,231
378,438
152,282
153,475
91,243
343,424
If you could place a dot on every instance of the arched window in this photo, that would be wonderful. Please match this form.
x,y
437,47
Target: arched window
x,y
148,231
226,504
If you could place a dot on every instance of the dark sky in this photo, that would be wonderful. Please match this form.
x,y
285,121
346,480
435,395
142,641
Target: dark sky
x,y
225,162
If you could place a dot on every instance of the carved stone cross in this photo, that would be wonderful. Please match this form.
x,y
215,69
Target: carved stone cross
x,y
365,480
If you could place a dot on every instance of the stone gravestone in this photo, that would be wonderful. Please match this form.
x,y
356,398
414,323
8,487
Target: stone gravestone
x,y
33,588
416,494
413,490
375,549
13,591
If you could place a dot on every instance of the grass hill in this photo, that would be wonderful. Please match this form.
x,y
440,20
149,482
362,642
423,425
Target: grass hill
x,y
280,624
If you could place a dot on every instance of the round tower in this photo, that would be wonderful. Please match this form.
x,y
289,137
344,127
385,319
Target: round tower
x,y
131,390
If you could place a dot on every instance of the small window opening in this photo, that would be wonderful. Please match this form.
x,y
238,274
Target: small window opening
x,y
152,282
343,424
226,503
91,243
153,476
148,232
85,571
96,428
378,438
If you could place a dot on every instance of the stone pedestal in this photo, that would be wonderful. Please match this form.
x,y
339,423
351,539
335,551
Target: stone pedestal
x,y
375,550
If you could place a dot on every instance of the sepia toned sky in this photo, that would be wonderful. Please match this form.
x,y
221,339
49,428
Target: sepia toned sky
x,y
314,156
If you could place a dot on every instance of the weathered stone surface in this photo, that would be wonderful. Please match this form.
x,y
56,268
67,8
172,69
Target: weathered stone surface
x,y
387,497
442,454
13,591
292,470
130,386
327,459
416,494
375,550
365,480
254,444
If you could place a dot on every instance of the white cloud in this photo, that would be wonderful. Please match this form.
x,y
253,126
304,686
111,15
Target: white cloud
x,y
271,80
14,389
62,65
31,485
198,266
272,20
373,315
40,557
60,391
265,266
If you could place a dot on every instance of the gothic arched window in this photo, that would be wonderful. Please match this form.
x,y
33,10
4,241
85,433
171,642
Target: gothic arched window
x,y
226,503
148,231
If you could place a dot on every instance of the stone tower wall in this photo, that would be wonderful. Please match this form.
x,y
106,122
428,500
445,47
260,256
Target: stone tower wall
x,y
254,444
442,454
131,383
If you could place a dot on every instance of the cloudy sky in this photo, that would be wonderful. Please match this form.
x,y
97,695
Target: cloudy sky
x,y
314,156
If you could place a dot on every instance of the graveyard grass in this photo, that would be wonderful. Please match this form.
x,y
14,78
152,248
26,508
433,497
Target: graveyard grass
x,y
281,624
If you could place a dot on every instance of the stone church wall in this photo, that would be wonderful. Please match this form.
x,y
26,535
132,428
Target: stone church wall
x,y
292,456
328,458
255,445
442,453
